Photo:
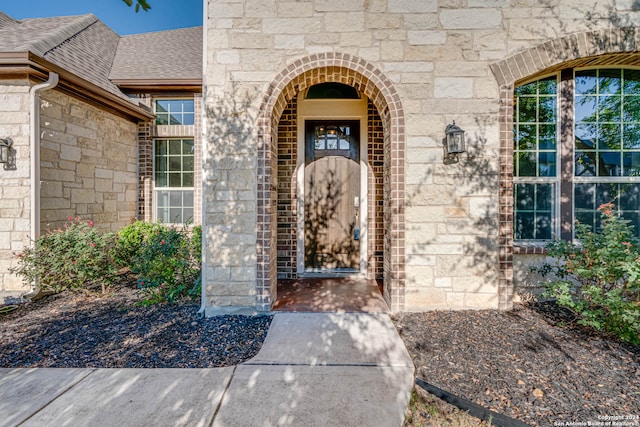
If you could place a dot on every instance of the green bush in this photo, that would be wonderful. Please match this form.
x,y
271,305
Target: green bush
x,y
599,277
74,257
131,239
168,264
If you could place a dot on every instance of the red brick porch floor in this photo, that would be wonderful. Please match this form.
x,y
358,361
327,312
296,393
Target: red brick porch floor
x,y
336,295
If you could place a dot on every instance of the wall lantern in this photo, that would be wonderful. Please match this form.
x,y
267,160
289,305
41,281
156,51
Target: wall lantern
x,y
453,143
5,150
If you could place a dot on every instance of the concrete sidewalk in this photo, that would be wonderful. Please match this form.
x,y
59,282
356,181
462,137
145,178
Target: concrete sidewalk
x,y
314,369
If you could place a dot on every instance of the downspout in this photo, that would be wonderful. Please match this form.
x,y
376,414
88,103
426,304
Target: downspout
x,y
34,144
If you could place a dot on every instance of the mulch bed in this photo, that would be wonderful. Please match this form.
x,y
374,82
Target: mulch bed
x,y
523,364
112,331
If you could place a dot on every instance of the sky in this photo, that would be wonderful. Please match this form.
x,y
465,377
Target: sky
x,y
163,15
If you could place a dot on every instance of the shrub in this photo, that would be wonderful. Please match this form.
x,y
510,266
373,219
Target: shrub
x,y
599,277
168,264
73,257
131,239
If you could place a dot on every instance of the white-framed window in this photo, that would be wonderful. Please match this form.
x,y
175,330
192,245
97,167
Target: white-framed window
x,y
174,111
576,147
173,168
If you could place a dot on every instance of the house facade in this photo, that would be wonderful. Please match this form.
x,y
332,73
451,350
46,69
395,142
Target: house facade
x,y
324,129
307,138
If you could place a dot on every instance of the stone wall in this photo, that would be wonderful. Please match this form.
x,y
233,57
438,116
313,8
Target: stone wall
x,y
15,193
440,58
89,164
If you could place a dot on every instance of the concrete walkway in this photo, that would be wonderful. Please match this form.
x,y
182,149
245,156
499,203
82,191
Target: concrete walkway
x,y
314,369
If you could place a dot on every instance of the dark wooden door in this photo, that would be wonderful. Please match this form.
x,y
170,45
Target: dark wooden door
x,y
332,196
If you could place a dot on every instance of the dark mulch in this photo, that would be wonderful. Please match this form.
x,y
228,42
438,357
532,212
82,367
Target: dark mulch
x,y
523,364
83,330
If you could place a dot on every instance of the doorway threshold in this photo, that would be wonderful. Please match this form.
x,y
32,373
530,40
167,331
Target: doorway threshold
x,y
330,295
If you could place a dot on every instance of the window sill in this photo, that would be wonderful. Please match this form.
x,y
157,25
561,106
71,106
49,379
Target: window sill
x,y
529,249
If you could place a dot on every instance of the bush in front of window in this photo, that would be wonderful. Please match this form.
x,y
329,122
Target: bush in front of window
x,y
74,257
167,264
598,278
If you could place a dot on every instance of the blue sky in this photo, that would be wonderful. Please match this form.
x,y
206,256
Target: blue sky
x,y
163,15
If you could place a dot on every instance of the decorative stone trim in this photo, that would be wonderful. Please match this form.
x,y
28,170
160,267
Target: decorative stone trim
x,y
298,76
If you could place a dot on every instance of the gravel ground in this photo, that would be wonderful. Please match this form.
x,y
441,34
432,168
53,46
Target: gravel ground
x,y
83,330
523,365
518,363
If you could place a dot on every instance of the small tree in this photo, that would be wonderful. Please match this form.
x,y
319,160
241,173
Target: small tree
x,y
598,278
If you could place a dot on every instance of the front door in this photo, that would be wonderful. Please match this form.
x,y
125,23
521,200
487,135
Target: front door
x,y
332,196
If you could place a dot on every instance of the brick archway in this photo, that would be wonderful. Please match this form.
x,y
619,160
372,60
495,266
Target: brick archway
x,y
298,76
615,46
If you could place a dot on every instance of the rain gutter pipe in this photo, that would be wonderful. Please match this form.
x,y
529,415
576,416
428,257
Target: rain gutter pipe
x,y
34,144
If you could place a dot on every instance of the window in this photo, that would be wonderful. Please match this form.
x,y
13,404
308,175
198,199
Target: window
x,y
174,112
173,177
599,115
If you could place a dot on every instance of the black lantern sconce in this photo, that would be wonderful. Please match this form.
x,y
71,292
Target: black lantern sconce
x,y
453,143
5,150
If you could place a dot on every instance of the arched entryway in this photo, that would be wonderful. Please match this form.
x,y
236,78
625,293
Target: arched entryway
x,y
277,112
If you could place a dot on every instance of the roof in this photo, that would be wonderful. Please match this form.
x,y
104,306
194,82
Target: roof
x,y
164,55
86,47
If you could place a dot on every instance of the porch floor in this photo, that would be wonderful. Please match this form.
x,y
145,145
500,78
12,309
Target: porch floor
x,y
336,295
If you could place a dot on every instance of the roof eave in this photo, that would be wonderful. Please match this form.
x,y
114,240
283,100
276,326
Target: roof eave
x,y
188,85
32,65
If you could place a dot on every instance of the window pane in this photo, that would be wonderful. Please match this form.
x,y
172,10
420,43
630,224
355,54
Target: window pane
x,y
631,164
533,217
161,147
162,119
175,163
524,225
631,107
586,108
187,180
187,163
609,81
585,164
547,112
175,146
610,164
630,197
162,106
161,179
547,164
526,164
586,81
187,198
175,215
525,196
526,137
187,119
187,106
547,136
610,137
527,110
548,86
528,89
175,180
609,109
187,146
631,81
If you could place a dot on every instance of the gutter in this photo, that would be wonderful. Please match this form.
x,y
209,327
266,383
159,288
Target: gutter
x,y
34,144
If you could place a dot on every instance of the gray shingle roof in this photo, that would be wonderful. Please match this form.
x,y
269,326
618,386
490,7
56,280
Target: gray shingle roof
x,y
170,55
88,48
80,44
